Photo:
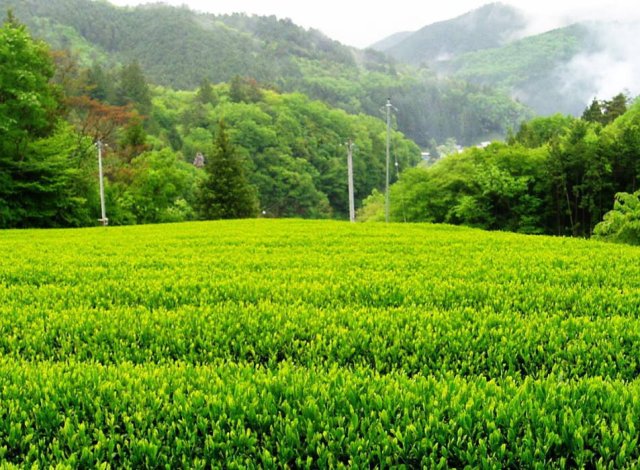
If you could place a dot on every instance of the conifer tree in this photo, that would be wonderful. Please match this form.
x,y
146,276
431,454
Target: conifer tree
x,y
133,88
225,192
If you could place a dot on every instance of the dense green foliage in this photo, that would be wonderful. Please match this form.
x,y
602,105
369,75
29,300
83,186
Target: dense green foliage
x,y
290,148
178,48
42,181
622,224
311,344
557,175
293,147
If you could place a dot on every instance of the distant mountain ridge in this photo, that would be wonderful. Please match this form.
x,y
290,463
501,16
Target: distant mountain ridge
x,y
390,41
174,44
533,69
489,26
556,71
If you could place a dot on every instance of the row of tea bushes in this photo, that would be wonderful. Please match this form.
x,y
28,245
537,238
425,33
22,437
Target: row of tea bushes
x,y
182,415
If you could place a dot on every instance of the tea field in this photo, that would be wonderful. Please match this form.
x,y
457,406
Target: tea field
x,y
317,344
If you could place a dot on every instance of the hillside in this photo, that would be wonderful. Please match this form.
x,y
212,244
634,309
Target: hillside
x,y
534,69
177,48
299,343
487,27
556,71
385,44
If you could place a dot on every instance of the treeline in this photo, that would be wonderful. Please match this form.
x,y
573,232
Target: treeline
x,y
289,147
558,175
176,48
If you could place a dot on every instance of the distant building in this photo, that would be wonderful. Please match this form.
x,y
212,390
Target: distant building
x,y
198,162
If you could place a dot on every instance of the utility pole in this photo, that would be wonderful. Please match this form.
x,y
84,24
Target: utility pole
x,y
386,188
352,207
103,220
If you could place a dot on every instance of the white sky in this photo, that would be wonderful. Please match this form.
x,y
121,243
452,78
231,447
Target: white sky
x,y
362,22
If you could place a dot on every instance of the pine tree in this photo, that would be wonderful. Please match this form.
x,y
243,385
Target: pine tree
x,y
226,192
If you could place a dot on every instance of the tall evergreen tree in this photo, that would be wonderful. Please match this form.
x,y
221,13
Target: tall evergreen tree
x,y
225,192
134,89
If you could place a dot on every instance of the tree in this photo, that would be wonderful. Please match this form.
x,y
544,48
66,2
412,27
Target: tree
x,y
615,107
607,111
244,90
205,93
101,84
39,157
594,112
225,192
133,88
622,224
97,120
27,101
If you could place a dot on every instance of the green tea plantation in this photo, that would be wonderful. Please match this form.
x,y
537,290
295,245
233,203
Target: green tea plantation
x,y
317,344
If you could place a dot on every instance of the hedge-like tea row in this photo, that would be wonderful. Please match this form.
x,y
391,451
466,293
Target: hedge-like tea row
x,y
410,340
187,416
317,344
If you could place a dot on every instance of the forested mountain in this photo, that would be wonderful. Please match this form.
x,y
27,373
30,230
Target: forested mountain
x,y
535,69
178,48
487,27
556,71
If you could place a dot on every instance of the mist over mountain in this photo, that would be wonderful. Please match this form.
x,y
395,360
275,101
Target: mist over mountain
x,y
390,41
608,65
558,70
486,27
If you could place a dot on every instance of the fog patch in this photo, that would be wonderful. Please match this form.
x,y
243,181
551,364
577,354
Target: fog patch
x,y
612,66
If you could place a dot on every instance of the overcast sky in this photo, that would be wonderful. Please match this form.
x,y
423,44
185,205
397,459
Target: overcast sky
x,y
361,22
